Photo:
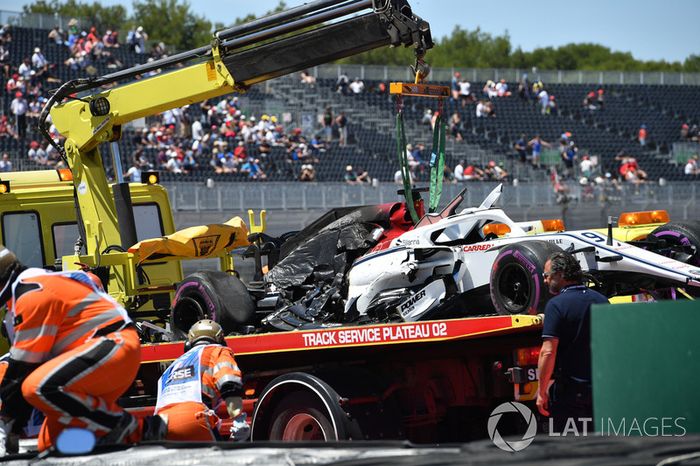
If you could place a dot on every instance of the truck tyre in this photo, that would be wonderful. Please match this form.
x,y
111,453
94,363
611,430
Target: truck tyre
x,y
678,234
517,284
302,417
214,295
300,406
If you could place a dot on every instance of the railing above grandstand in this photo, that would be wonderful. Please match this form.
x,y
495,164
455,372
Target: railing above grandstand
x,y
400,73
33,20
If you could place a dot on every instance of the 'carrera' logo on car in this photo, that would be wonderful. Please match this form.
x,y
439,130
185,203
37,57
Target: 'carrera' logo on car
x,y
477,247
412,300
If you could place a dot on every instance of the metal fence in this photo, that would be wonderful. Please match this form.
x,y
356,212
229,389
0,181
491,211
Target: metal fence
x,y
399,73
33,20
682,196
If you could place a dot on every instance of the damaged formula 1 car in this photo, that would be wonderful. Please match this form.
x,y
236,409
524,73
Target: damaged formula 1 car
x,y
371,264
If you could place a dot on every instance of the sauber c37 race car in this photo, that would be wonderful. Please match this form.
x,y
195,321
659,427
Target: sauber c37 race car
x,y
371,265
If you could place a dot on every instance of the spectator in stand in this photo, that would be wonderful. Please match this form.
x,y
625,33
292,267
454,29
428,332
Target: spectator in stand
x,y
642,135
586,167
25,70
552,108
328,124
454,84
524,88
495,172
601,98
140,38
37,153
229,163
341,85
543,97
481,110
456,126
357,86
173,165
253,169
350,175
502,89
685,129
307,78
57,36
6,130
134,172
536,144
363,176
473,173
5,61
341,122
520,147
691,168
490,90
427,116
5,163
39,62
589,102
19,108
459,171
308,173
569,158
490,108
465,93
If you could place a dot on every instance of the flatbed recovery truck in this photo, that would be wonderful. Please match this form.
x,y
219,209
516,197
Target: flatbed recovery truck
x,y
433,381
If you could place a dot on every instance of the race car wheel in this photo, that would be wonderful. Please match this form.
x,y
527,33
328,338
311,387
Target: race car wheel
x,y
517,284
302,417
678,237
212,295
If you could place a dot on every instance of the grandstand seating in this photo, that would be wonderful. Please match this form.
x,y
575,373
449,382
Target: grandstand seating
x,y
372,144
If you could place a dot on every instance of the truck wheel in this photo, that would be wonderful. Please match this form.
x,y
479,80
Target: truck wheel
x,y
678,234
301,417
213,295
517,284
300,406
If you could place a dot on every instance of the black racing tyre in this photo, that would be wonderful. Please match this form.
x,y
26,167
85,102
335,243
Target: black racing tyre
x,y
213,295
678,234
517,283
301,416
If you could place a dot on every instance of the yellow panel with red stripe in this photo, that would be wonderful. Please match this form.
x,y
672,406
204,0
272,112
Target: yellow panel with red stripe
x,y
419,90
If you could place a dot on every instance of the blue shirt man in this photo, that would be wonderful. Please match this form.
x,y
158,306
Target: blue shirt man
x,y
565,355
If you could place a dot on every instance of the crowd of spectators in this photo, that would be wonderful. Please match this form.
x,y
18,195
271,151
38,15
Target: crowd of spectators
x,y
226,138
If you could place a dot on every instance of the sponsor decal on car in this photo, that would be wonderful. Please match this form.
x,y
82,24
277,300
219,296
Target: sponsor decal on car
x,y
477,247
408,305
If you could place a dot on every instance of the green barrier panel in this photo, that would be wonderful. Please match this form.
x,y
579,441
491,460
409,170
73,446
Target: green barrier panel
x,y
681,156
646,368
550,157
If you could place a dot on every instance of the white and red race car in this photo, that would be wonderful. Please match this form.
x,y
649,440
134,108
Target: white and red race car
x,y
450,264
371,264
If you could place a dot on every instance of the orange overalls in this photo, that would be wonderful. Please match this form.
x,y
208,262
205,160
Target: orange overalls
x,y
196,381
85,346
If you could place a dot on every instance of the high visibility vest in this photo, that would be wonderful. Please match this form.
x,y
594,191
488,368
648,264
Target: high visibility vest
x,y
182,381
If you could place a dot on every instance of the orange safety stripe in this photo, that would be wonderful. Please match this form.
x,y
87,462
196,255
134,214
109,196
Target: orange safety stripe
x,y
47,324
218,368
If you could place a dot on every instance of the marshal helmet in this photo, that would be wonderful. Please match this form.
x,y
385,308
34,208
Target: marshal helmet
x,y
205,331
